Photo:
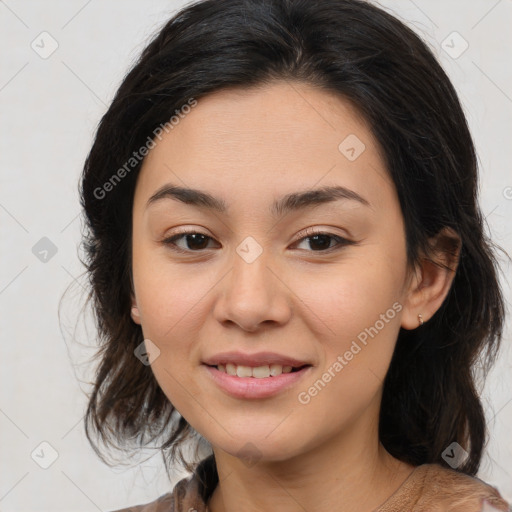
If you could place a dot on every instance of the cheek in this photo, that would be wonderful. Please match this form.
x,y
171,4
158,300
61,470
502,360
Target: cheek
x,y
173,301
168,295
357,316
354,310
172,315
344,299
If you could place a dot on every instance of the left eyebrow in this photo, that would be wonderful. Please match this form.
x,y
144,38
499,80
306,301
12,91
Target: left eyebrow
x,y
289,202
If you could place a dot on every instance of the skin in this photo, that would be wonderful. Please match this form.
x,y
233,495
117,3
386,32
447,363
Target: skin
x,y
249,147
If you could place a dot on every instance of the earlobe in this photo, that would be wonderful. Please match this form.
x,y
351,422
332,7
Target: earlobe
x,y
414,315
412,320
134,313
432,281
414,302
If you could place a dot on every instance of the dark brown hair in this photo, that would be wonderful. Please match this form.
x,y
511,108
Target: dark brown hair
x,y
373,60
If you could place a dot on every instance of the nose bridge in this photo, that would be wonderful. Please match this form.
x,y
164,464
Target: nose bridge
x,y
252,293
251,280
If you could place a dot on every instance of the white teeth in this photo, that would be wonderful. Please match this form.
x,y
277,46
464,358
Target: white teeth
x,y
276,369
230,369
258,372
244,371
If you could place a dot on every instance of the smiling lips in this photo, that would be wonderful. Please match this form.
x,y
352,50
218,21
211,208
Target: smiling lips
x,y
258,375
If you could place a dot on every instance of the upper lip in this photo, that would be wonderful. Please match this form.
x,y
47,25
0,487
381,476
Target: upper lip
x,y
258,359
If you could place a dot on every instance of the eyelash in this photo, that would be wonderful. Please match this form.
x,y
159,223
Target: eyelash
x,y
341,242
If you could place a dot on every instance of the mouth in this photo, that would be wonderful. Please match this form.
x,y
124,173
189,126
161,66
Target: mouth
x,y
255,382
257,372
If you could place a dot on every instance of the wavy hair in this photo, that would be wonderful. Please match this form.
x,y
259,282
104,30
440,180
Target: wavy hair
x,y
373,60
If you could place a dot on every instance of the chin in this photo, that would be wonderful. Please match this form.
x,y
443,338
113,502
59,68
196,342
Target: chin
x,y
252,449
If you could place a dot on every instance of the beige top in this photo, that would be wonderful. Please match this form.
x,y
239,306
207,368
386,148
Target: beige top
x,y
429,488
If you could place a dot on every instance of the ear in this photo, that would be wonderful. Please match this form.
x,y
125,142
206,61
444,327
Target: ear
x,y
134,313
432,279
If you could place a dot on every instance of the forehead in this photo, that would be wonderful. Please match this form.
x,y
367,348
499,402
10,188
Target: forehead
x,y
267,140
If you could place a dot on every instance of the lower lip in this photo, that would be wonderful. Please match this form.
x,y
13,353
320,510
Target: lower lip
x,y
251,387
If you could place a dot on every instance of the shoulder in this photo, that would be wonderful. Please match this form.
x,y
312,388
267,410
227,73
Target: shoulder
x,y
184,497
434,488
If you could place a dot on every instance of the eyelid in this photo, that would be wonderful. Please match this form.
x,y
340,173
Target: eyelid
x,y
342,241
169,240
312,231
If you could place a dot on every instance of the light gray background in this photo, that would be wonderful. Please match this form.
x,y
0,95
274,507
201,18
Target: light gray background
x,y
49,110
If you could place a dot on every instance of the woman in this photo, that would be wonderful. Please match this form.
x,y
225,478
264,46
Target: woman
x,y
288,262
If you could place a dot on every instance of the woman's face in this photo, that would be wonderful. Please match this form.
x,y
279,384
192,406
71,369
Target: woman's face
x,y
254,285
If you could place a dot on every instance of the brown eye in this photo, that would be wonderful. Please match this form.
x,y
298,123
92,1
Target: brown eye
x,y
320,241
193,241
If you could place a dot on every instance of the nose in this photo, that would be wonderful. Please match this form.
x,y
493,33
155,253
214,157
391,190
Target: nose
x,y
253,294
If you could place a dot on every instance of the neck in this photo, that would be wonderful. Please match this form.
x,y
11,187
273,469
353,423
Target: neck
x,y
352,471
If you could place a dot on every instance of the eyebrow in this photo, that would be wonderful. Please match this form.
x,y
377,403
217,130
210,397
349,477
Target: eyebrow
x,y
289,202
